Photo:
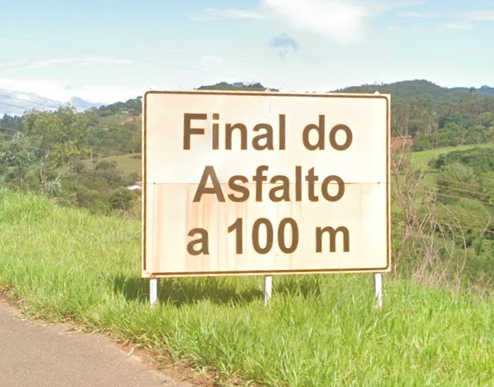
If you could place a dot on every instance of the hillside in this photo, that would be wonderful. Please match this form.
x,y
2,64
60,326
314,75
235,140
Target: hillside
x,y
64,264
238,86
408,90
432,117
436,116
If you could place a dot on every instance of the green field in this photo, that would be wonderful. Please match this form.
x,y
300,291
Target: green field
x,y
421,159
116,120
63,264
128,163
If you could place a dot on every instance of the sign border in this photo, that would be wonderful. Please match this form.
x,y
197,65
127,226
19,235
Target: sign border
x,y
146,274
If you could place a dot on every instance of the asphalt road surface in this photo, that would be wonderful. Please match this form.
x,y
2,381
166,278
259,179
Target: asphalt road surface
x,y
34,355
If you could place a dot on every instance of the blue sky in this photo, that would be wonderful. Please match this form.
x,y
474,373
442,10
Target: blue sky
x,y
113,50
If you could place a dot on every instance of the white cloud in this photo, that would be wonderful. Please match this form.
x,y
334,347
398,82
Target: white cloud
x,y
213,59
106,93
408,4
486,15
339,20
334,19
78,61
466,21
63,92
173,50
457,26
417,15
211,14
13,63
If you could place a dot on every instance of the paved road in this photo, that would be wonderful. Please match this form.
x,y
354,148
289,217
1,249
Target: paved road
x,y
32,355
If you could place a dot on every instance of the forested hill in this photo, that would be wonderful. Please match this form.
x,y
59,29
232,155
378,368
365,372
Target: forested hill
x,y
237,86
434,116
406,90
400,91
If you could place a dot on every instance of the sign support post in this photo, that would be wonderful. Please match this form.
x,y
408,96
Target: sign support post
x,y
378,290
153,291
268,289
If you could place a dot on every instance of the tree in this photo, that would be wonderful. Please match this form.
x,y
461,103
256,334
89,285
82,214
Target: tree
x,y
19,156
449,135
477,134
121,199
59,139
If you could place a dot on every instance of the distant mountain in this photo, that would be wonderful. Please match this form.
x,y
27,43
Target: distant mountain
x,y
400,91
406,90
236,87
131,106
16,103
484,91
82,104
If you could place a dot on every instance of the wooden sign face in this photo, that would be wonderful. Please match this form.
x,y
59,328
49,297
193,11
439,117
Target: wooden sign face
x,y
265,183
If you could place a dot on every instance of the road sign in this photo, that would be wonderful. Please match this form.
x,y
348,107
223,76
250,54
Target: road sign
x,y
239,183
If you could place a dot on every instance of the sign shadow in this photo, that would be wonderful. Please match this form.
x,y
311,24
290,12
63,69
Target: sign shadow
x,y
187,291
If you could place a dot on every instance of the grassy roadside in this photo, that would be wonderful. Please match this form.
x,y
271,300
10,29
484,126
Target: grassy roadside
x,y
318,330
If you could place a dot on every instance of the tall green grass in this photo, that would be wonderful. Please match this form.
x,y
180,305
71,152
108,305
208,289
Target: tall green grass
x,y
65,264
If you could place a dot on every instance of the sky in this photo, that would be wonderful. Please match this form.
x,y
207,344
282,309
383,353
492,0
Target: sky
x,y
109,50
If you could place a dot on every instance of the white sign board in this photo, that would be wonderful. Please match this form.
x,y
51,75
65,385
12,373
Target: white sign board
x,y
265,183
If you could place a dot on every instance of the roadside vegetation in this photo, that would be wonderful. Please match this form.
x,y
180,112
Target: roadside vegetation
x,y
78,159
70,251
65,264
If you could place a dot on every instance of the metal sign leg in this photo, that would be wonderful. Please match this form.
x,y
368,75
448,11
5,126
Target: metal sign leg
x,y
268,289
153,291
378,290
